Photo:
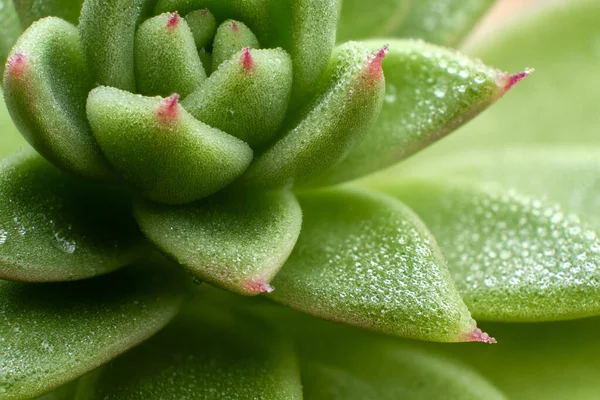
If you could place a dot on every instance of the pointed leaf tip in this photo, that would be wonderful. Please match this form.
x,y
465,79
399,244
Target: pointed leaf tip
x,y
173,20
247,60
168,109
507,81
477,335
258,286
16,64
234,26
375,68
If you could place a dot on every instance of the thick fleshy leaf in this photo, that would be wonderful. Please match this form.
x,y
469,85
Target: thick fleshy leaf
x,y
54,227
161,149
65,392
10,137
346,108
212,356
51,334
247,96
32,10
430,91
11,30
550,361
558,105
203,26
366,260
444,22
235,241
513,257
567,175
166,58
45,87
306,30
107,35
231,37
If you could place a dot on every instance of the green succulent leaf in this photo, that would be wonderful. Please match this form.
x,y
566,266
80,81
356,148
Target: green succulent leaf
x,y
430,91
247,96
166,58
569,176
107,36
46,71
160,149
441,22
203,26
513,257
65,392
11,30
53,333
31,10
214,355
235,241
558,106
345,109
306,29
231,37
366,260
54,227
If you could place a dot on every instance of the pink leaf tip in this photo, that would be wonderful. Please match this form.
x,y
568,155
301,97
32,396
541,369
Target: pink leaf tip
x,y
16,64
168,109
173,20
234,26
258,286
247,60
507,81
375,67
204,12
477,335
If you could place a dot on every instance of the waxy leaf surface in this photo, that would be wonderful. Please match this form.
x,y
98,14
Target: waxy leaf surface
x,y
166,58
203,26
235,241
231,37
365,259
11,30
214,356
10,137
46,71
55,227
51,334
430,91
247,96
347,106
513,257
160,149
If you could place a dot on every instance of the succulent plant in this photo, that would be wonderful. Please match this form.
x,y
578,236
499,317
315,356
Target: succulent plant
x,y
186,156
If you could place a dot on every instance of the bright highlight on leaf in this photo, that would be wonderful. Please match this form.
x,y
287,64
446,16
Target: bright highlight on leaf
x,y
55,227
162,150
46,70
366,260
513,257
54,333
237,242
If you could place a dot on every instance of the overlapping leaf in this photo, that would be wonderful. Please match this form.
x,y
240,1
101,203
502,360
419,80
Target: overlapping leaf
x,y
238,242
51,334
430,91
54,227
208,354
366,260
513,257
